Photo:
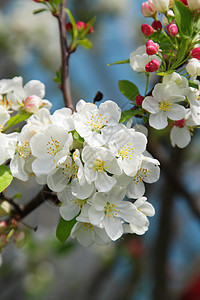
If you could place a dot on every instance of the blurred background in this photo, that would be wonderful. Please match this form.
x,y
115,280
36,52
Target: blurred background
x,y
164,264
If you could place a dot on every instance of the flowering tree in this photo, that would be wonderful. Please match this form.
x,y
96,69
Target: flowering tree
x,y
90,158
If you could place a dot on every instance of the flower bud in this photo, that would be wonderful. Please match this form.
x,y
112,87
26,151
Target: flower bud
x,y
151,47
172,29
195,53
147,30
19,239
139,99
161,5
152,66
193,4
32,104
157,25
3,227
5,208
3,241
147,9
184,2
69,26
180,123
80,25
193,67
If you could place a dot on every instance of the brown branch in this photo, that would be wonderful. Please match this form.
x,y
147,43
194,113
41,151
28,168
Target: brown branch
x,y
65,54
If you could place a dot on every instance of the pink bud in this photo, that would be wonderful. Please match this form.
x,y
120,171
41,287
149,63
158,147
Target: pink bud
x,y
172,29
3,240
180,123
32,104
81,26
19,239
69,26
147,30
147,9
139,99
152,66
157,25
151,47
195,53
184,2
3,227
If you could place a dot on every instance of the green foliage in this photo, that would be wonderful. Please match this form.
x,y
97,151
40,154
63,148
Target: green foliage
x,y
39,11
164,41
18,118
73,22
193,84
119,62
184,19
64,229
183,49
76,136
127,114
58,77
128,89
5,177
85,43
86,30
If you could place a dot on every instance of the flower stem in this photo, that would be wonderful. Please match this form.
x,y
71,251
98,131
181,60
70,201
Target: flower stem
x,y
147,84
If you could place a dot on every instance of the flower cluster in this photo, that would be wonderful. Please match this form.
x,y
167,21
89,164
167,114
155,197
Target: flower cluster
x,y
89,159
175,99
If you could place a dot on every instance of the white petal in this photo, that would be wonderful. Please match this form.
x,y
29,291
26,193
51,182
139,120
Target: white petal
x,y
35,87
113,227
150,104
68,212
177,112
158,121
104,183
95,216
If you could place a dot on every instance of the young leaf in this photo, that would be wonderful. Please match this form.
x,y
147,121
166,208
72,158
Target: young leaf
x,y
72,20
193,84
183,18
77,136
5,177
127,114
39,11
85,43
180,56
64,229
17,119
128,89
119,62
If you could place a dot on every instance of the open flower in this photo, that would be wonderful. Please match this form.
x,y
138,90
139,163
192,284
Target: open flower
x,y
162,104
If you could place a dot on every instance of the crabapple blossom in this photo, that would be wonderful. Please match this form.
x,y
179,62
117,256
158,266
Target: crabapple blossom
x,y
161,5
172,29
193,67
147,30
147,9
162,104
193,4
151,47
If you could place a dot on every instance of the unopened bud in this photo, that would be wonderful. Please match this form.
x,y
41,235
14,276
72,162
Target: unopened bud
x,y
161,5
68,26
139,99
147,9
32,104
147,30
152,66
184,2
3,227
19,239
172,29
5,208
195,53
157,25
180,123
80,25
151,47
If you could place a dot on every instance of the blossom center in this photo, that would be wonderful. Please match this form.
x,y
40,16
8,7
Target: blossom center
x,y
79,202
111,210
191,130
97,122
126,151
24,150
53,147
165,105
99,165
88,227
142,173
70,170
6,103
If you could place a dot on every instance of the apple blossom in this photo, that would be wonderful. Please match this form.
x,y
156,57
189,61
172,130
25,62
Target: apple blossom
x,y
161,5
193,4
147,9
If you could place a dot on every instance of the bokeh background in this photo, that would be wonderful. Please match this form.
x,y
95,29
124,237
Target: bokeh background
x,y
164,264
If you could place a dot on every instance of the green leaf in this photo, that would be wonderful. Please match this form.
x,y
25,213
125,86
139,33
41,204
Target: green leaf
x,y
76,136
184,18
165,42
72,20
85,31
128,89
193,84
180,56
165,73
39,11
5,177
58,77
21,116
127,114
85,43
64,229
119,62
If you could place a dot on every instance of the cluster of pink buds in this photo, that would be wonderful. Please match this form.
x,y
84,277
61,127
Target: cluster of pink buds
x,y
151,47
80,25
